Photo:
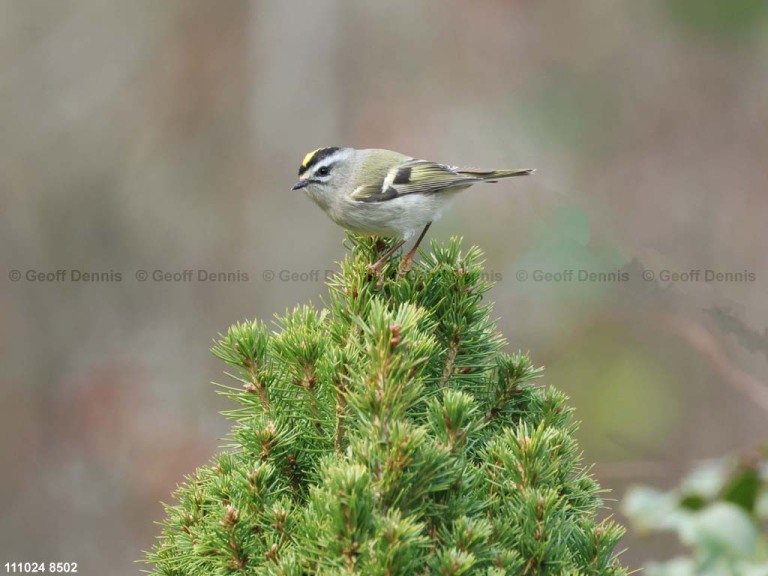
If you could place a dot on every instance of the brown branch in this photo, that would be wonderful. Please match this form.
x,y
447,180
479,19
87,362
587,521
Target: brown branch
x,y
341,414
453,351
257,386
702,340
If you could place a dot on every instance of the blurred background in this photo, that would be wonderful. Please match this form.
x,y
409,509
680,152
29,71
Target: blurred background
x,y
165,136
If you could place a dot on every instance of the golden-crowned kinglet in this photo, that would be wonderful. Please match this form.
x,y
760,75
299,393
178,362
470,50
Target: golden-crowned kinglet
x,y
385,193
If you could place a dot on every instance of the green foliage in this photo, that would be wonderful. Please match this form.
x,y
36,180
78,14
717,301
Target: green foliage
x,y
717,512
732,19
389,434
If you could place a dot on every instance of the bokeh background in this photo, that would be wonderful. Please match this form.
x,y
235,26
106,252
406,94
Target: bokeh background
x,y
146,135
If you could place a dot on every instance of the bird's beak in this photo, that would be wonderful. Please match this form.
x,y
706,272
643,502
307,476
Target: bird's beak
x,y
300,184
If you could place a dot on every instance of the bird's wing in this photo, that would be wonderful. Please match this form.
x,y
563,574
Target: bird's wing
x,y
413,177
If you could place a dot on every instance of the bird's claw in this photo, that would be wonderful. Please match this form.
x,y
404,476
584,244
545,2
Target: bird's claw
x,y
374,270
404,268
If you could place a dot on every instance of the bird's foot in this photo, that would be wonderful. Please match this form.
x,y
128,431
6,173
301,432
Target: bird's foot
x,y
375,270
405,267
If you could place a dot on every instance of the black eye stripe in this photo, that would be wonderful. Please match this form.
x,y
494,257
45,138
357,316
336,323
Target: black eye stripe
x,y
317,157
323,171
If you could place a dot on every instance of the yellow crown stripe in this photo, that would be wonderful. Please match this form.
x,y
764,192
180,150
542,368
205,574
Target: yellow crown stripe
x,y
308,157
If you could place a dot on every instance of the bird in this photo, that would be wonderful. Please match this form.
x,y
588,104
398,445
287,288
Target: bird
x,y
385,193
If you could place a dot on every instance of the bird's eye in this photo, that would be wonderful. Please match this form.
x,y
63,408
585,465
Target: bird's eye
x,y
324,171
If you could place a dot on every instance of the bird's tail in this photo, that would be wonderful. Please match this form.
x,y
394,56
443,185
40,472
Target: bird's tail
x,y
494,175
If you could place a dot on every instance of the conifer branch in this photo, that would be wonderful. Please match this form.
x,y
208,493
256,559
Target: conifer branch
x,y
417,445
450,358
341,415
255,385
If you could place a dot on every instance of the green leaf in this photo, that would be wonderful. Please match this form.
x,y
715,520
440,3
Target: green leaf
x,y
721,529
734,19
649,508
744,489
707,480
693,502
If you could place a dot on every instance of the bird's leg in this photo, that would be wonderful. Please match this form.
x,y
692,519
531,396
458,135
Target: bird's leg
x,y
405,263
375,268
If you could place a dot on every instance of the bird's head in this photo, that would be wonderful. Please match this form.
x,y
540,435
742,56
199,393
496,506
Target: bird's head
x,y
324,170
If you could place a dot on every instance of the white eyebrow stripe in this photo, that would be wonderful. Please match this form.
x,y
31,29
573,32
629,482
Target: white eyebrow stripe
x,y
325,162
